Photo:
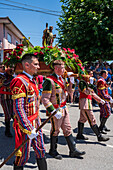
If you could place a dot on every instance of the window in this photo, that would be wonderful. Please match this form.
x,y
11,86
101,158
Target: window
x,y
9,38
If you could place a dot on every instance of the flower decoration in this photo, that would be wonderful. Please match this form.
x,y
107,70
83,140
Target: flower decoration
x,y
15,56
48,55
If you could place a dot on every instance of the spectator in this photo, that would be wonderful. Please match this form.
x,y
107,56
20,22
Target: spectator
x,y
109,71
96,71
92,66
109,88
92,79
111,67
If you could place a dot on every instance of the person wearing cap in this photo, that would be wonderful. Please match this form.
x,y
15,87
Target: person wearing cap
x,y
54,97
86,111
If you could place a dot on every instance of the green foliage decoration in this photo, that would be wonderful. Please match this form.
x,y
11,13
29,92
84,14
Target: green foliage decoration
x,y
47,55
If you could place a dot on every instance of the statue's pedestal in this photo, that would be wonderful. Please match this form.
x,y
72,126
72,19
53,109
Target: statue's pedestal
x,y
18,68
43,70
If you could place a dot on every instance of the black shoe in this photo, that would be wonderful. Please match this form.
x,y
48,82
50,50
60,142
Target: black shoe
x,y
101,138
103,132
98,134
55,155
76,153
81,137
106,129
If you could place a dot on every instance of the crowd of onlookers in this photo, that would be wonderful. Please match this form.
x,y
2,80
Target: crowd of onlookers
x,y
94,69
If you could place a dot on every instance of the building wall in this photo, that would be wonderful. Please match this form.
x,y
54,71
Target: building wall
x,y
14,39
1,35
4,43
8,32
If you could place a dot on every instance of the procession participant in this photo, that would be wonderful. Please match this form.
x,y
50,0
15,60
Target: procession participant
x,y
2,76
105,110
54,97
26,119
6,97
86,112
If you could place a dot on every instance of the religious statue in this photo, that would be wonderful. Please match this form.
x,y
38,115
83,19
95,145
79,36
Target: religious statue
x,y
48,36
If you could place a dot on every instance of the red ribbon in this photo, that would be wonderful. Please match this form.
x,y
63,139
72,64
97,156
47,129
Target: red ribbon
x,y
56,81
61,105
82,95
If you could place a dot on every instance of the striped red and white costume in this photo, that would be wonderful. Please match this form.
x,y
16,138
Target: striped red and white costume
x,y
6,97
105,110
26,109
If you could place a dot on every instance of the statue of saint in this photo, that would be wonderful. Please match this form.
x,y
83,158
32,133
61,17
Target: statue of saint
x,y
48,36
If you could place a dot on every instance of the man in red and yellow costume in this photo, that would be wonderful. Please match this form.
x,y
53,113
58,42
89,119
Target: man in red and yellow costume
x,y
105,110
86,111
6,76
26,119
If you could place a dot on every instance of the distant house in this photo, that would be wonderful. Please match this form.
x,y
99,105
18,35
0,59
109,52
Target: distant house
x,y
10,36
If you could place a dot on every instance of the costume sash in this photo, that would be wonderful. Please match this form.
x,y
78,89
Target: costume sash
x,y
56,81
33,117
25,78
56,106
82,95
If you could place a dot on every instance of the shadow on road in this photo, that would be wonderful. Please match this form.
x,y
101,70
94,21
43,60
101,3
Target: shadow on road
x,y
87,131
6,144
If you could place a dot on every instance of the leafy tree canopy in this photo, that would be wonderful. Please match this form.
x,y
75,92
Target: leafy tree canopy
x,y
87,26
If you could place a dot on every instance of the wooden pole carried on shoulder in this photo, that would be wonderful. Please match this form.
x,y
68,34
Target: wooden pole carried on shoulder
x,y
13,153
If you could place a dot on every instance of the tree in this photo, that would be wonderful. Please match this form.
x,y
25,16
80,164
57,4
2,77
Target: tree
x,y
87,26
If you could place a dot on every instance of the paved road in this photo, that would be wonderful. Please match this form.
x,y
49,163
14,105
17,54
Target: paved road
x,y
99,155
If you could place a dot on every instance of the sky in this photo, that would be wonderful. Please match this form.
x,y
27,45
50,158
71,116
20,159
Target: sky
x,y
32,23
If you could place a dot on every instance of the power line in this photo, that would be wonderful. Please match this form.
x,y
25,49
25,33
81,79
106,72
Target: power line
x,y
29,9
34,6
12,9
